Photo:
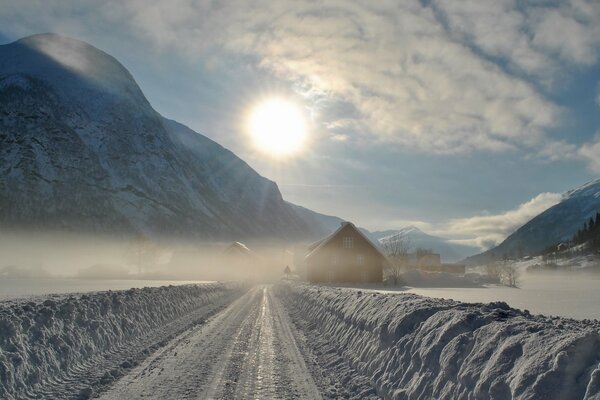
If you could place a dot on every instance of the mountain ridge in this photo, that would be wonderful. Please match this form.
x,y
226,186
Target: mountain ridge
x,y
552,226
82,149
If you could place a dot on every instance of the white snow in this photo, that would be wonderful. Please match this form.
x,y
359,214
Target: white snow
x,y
15,288
63,346
247,351
413,347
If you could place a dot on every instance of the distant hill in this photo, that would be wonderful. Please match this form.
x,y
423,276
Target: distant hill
x,y
416,238
557,224
82,149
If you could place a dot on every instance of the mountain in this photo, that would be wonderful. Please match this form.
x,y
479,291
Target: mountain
x,y
82,149
416,238
557,224
327,223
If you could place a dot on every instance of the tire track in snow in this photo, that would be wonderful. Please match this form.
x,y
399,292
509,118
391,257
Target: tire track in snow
x,y
247,351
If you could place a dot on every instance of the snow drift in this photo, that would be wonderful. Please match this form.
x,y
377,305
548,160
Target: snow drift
x,y
52,346
413,347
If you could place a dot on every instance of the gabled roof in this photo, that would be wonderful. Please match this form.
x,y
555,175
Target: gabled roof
x,y
318,245
238,248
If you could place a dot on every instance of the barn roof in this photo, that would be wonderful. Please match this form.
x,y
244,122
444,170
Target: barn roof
x,y
318,245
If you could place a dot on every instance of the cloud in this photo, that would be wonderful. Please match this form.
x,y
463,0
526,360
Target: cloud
x,y
489,230
441,77
590,152
525,36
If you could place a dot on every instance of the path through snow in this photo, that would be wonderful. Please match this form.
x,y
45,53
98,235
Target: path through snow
x,y
247,351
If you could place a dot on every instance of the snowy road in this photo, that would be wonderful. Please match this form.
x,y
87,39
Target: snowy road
x,y
247,351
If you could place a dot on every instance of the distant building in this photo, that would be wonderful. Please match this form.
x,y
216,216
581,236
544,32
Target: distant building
x,y
238,254
344,256
432,262
428,260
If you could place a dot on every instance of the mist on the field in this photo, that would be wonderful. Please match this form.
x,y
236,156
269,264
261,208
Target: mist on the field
x,y
53,255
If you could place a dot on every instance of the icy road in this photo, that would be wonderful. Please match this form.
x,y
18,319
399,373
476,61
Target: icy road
x,y
247,351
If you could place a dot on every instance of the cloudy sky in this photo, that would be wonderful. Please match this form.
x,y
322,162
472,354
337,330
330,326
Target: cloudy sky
x,y
465,118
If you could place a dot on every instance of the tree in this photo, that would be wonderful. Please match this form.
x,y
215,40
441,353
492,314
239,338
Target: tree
x,y
509,275
396,249
492,269
142,252
287,271
504,273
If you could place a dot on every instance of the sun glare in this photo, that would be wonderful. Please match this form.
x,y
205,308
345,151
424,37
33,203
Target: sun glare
x,y
278,127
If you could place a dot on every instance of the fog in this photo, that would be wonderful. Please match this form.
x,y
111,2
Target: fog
x,y
52,255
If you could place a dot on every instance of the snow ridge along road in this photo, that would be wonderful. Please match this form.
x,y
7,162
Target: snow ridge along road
x,y
74,345
247,351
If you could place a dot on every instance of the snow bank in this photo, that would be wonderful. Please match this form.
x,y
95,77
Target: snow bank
x,y
51,340
413,347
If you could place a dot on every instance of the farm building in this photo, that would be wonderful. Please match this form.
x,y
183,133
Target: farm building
x,y
344,256
238,254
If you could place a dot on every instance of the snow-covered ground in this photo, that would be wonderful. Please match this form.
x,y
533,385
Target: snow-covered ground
x,y
14,288
248,351
412,347
567,295
290,340
71,345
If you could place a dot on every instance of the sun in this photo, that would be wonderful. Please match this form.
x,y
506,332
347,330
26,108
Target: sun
x,y
278,127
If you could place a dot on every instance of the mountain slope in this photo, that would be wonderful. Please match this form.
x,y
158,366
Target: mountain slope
x,y
326,223
557,224
416,238
82,149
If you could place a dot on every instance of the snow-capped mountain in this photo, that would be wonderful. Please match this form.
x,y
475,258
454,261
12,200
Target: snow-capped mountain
x,y
557,224
416,238
82,149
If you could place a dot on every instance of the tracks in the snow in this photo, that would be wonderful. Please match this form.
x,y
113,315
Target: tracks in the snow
x,y
247,351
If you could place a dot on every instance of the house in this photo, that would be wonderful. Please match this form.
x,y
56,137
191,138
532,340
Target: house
x,y
238,254
346,255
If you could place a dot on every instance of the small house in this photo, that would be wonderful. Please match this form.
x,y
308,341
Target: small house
x,y
346,255
238,254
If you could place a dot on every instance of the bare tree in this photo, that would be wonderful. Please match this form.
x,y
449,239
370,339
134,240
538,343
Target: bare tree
x,y
396,249
509,275
504,273
142,252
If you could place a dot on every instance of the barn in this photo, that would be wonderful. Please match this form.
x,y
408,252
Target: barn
x,y
346,255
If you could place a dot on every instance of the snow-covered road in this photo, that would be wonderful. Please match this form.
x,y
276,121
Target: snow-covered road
x,y
247,351
290,341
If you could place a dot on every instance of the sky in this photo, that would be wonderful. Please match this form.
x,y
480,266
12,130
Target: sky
x,y
463,118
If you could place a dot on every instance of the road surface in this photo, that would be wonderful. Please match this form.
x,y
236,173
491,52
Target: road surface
x,y
247,351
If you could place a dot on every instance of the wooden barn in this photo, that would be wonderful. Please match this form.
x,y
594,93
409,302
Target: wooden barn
x,y
346,255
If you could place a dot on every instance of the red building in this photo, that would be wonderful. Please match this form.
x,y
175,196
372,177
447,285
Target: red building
x,y
346,255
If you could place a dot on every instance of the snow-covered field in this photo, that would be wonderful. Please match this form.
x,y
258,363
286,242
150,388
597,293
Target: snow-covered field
x,y
411,347
13,288
567,295
68,346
